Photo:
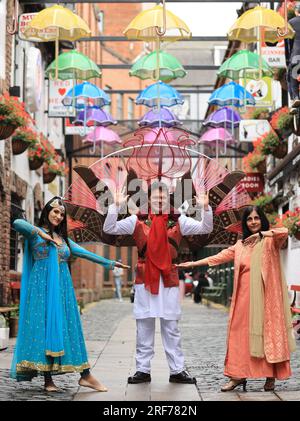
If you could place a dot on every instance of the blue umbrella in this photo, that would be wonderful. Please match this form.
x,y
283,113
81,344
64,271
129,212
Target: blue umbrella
x,y
159,94
231,94
86,94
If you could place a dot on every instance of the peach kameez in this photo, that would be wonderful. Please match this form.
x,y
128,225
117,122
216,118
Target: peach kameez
x,y
238,362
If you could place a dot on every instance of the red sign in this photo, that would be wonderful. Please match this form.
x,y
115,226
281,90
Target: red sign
x,y
253,182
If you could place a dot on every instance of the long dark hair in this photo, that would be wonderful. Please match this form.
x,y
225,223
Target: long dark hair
x,y
265,225
62,228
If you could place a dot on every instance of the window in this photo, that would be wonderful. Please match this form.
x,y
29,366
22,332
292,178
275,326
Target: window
x,y
16,212
131,113
219,52
2,38
119,106
108,107
106,249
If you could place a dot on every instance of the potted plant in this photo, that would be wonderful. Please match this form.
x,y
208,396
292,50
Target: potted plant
x,y
14,322
52,168
282,122
4,333
264,202
22,138
260,114
291,220
272,145
256,161
12,115
36,153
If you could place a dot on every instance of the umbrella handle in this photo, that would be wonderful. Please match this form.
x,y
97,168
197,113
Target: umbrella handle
x,y
285,31
162,32
13,28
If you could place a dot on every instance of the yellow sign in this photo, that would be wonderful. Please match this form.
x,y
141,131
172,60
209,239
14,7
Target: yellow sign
x,y
260,89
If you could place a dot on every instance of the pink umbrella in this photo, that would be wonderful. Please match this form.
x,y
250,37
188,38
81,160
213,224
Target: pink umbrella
x,y
102,135
216,135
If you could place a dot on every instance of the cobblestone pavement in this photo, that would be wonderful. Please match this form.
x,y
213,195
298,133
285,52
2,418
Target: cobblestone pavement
x,y
203,340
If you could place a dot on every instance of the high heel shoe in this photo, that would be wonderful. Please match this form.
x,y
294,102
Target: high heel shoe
x,y
269,386
233,383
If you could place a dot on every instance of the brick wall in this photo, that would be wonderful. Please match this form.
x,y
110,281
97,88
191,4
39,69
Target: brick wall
x,y
6,181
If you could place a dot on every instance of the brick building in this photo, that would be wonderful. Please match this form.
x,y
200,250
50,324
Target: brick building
x,y
5,157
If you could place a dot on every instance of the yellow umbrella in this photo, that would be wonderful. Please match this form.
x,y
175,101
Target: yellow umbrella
x,y
157,22
258,22
57,23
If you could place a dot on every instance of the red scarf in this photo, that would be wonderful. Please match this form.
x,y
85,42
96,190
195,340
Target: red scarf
x,y
158,257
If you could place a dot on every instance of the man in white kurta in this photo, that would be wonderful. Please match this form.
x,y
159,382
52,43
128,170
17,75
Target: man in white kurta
x,y
165,305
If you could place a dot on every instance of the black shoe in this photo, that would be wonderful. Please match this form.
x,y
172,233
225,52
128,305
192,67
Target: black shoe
x,y
182,377
139,377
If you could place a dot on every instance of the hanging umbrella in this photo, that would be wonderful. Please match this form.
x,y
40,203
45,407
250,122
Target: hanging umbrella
x,y
148,24
86,94
244,64
223,117
94,117
231,94
159,93
73,65
102,135
254,23
165,116
216,135
169,67
57,23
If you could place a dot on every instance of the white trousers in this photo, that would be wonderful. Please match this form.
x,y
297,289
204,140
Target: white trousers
x,y
171,340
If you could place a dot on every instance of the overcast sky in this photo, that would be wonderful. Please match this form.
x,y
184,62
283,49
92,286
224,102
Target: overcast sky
x,y
206,18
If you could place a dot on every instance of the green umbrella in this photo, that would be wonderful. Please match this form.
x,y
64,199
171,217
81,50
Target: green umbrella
x,y
73,65
169,67
245,64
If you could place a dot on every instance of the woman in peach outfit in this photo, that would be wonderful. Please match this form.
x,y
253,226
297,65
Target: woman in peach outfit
x,y
259,337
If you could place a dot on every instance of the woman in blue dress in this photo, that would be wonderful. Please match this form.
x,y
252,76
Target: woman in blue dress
x,y
50,339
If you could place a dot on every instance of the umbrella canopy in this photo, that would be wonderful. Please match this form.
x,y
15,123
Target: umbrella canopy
x,y
94,117
254,22
246,64
144,26
169,67
161,94
218,134
57,22
223,117
231,94
163,116
73,65
103,134
79,94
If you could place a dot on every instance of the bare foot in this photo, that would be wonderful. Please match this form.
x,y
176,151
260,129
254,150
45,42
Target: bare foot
x,y
92,382
51,387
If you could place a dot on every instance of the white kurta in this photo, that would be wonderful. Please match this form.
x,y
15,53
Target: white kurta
x,y
166,304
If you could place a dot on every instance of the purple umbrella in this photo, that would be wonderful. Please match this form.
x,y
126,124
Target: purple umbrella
x,y
94,117
216,135
102,135
223,117
164,116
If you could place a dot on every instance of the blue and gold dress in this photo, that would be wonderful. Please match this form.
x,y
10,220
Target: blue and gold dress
x,y
50,338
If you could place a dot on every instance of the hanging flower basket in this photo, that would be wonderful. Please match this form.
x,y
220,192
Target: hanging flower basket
x,y
282,122
261,167
12,115
48,176
6,131
281,150
19,146
297,235
35,163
